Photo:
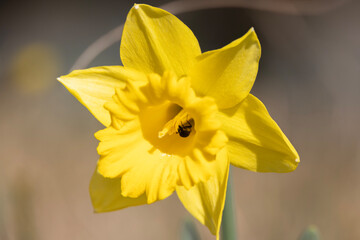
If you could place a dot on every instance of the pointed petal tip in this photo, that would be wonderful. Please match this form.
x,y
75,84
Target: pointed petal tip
x,y
136,6
252,31
61,79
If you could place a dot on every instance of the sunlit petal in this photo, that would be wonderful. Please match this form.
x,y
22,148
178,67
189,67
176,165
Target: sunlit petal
x,y
256,142
106,194
154,41
228,74
205,201
95,86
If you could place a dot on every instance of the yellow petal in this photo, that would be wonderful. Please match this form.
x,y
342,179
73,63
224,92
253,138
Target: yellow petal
x,y
205,201
143,169
95,86
256,142
155,40
228,74
106,194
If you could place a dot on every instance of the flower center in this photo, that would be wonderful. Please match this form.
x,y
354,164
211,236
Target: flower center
x,y
160,126
166,113
181,124
165,127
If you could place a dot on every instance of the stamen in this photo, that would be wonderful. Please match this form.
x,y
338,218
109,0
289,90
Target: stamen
x,y
173,125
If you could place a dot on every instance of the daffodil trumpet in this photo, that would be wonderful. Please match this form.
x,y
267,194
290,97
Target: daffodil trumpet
x,y
176,118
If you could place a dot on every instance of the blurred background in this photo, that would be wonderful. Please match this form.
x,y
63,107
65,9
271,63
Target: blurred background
x,y
309,79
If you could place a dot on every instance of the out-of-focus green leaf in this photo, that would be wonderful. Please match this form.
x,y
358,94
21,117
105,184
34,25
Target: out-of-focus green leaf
x,y
310,233
189,231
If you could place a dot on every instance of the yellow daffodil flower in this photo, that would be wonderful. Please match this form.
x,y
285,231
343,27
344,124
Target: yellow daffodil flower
x,y
176,118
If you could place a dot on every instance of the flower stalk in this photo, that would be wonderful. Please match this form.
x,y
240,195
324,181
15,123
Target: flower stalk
x,y
228,228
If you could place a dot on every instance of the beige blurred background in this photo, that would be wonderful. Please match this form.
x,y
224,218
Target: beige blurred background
x,y
309,79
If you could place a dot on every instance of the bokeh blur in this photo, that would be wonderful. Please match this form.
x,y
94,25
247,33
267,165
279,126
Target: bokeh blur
x,y
309,79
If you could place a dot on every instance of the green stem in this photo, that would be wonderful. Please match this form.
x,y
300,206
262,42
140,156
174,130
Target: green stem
x,y
228,228
189,231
